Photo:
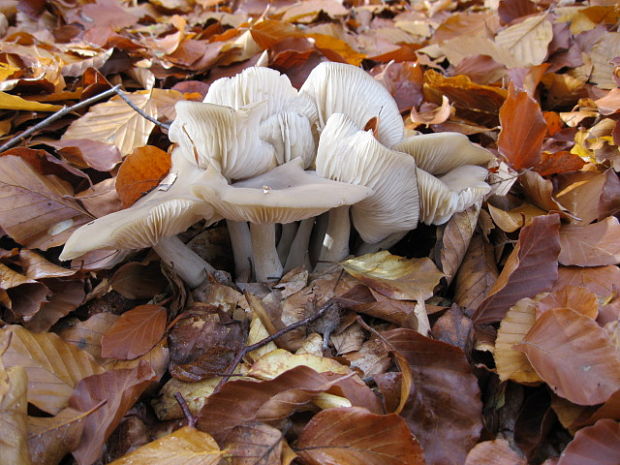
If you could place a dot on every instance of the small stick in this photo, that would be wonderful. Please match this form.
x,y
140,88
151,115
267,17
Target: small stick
x,y
54,116
122,95
242,353
191,420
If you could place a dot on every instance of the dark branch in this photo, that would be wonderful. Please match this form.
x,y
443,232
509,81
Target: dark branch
x,y
122,95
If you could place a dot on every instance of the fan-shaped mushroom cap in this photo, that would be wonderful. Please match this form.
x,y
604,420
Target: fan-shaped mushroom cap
x,y
342,88
161,213
291,136
283,195
354,156
258,84
220,136
458,190
441,152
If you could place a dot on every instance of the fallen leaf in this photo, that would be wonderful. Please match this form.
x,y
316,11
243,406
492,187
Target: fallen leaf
x,y
594,445
54,367
578,299
115,122
255,443
134,333
275,363
527,40
195,394
13,102
136,280
348,436
66,296
86,335
141,171
497,452
454,327
514,219
574,356
444,402
394,276
186,445
13,414
477,273
511,363
120,389
595,244
531,268
523,130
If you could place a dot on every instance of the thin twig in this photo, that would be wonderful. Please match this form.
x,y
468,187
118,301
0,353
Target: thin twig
x,y
246,350
191,419
139,110
59,114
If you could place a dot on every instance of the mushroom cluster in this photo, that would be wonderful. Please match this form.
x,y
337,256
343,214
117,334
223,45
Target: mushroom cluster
x,y
270,159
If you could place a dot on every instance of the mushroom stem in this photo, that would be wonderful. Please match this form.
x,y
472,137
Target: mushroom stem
x,y
298,255
192,268
384,244
241,244
267,265
286,239
336,241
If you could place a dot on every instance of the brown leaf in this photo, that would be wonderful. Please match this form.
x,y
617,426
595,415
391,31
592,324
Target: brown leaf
x,y
186,445
53,366
444,404
135,280
578,299
67,296
527,40
87,334
540,191
394,276
37,210
85,153
590,195
404,82
574,356
140,172
497,452
558,162
595,445
13,411
120,389
255,443
37,267
354,436
511,363
240,402
455,328
134,333
115,122
336,49
523,130
531,268
476,275
361,299
595,244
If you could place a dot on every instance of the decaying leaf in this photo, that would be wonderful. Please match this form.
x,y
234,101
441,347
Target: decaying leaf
x,y
477,273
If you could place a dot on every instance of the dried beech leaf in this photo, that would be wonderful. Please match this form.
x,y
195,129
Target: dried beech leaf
x,y
13,102
53,366
36,210
13,411
186,445
511,363
527,40
590,195
115,122
531,268
497,452
66,297
477,274
594,445
574,356
140,172
255,443
578,299
595,244
275,363
134,333
515,219
394,276
119,389
87,334
523,130
354,436
444,403
455,238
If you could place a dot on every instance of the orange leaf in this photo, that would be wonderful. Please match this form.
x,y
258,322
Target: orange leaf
x,y
532,267
496,452
134,333
574,356
523,130
354,436
140,172
558,162
269,32
336,49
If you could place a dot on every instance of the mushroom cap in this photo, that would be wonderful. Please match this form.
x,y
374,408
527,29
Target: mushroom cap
x,y
220,136
291,136
456,191
282,195
258,84
441,152
350,155
163,212
342,88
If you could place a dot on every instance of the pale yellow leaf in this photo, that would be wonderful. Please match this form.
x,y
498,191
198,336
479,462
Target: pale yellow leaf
x,y
278,361
53,366
186,446
606,49
13,406
13,102
511,363
528,40
115,122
